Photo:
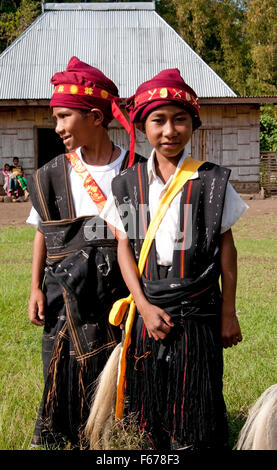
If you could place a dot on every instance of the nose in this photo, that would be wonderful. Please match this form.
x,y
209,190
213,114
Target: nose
x,y
169,129
59,127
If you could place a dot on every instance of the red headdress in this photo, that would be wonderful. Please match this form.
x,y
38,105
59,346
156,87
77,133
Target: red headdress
x,y
168,87
85,87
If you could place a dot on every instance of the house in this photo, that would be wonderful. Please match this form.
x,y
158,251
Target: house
x,y
130,43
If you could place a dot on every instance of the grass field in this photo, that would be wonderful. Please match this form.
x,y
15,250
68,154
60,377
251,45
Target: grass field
x,y
249,368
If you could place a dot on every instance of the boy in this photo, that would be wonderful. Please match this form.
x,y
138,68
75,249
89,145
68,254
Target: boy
x,y
171,365
75,250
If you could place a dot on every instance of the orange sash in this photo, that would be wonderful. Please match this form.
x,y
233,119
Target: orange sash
x,y
89,183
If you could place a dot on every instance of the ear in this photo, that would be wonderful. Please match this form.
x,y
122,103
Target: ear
x,y
98,116
141,126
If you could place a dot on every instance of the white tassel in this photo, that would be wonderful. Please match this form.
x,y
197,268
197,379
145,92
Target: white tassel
x,y
101,417
260,429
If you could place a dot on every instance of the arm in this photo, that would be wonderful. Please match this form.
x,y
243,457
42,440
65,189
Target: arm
x,y
157,321
230,329
37,298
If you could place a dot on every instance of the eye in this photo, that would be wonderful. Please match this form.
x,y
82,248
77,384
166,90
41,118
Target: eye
x,y
157,120
181,118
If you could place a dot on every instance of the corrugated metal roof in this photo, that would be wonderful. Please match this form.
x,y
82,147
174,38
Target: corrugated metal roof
x,y
129,42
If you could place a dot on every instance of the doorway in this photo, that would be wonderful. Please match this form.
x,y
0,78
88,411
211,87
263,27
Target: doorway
x,y
49,145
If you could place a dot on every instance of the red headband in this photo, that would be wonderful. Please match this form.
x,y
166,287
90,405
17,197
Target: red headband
x,y
167,93
85,87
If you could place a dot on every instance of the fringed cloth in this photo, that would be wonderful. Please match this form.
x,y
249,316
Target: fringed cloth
x,y
175,385
77,342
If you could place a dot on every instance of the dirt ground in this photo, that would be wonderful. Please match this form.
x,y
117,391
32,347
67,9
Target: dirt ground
x,y
16,213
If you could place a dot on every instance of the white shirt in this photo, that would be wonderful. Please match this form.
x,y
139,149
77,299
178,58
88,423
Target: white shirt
x,y
165,238
83,204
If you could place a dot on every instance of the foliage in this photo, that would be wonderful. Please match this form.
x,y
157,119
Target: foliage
x,y
261,26
213,29
268,141
237,38
14,19
167,9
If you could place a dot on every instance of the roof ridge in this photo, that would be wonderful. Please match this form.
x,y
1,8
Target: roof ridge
x,y
99,6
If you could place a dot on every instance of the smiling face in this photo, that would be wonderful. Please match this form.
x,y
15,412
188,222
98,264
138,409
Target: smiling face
x,y
74,127
168,129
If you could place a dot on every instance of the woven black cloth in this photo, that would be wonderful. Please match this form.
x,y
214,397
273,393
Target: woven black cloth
x,y
77,341
175,385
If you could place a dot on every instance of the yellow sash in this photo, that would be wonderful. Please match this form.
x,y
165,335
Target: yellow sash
x,y
119,308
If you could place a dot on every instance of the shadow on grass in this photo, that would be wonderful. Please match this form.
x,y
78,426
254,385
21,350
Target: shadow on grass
x,y
235,424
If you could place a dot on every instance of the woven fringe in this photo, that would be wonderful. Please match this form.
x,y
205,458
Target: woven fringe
x,y
176,386
66,399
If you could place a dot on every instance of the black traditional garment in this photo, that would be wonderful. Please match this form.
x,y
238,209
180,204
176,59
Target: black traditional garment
x,y
82,281
175,385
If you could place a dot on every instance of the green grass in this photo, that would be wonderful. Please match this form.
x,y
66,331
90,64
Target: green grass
x,y
249,369
251,366
21,374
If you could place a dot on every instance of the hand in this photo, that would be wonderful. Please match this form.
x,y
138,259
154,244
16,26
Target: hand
x,y
157,321
36,307
230,329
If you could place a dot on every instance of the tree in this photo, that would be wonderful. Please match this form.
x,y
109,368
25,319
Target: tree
x,y
214,29
15,18
268,140
7,6
167,9
261,30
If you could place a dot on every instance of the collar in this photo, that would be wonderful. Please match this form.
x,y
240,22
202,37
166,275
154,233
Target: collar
x,y
151,170
102,167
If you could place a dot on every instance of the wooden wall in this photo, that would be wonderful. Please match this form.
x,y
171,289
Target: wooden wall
x,y
18,136
229,136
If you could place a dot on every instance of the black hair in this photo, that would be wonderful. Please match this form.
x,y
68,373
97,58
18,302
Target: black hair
x,y
85,112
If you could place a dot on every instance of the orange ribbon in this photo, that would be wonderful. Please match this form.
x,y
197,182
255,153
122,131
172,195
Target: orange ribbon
x,y
89,183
